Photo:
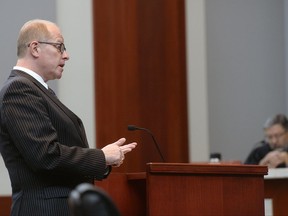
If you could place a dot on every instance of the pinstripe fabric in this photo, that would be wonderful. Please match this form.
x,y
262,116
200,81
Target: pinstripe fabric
x,y
44,148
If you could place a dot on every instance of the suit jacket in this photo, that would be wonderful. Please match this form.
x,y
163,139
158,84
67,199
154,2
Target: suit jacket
x,y
44,148
259,152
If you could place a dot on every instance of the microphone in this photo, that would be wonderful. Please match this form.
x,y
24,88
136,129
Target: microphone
x,y
133,127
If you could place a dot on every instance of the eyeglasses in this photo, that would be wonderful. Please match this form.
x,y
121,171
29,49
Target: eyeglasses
x,y
59,46
276,136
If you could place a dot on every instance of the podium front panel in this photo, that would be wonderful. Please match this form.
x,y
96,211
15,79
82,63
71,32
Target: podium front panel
x,y
189,189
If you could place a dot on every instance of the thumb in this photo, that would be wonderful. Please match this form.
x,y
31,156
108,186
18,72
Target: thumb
x,y
120,142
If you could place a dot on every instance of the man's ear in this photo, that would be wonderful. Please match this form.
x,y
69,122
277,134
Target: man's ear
x,y
34,48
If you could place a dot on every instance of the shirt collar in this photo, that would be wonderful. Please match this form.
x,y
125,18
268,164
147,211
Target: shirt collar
x,y
33,74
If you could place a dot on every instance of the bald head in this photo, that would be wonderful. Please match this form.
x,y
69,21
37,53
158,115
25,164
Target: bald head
x,y
33,30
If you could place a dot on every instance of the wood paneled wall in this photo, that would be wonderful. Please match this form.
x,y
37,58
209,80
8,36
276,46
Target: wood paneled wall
x,y
140,77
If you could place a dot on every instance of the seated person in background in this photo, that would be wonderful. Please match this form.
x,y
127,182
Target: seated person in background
x,y
272,151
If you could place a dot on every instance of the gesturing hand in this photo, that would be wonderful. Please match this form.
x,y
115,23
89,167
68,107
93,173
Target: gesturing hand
x,y
115,152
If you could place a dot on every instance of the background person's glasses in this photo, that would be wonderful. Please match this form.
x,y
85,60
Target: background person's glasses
x,y
276,136
59,46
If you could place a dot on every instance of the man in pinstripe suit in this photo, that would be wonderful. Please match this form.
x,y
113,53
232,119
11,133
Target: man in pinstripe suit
x,y
42,142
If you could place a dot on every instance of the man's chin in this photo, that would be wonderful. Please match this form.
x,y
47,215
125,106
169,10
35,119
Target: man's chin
x,y
59,75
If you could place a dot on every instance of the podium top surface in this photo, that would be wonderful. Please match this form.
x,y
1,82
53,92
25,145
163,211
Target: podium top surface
x,y
199,169
206,168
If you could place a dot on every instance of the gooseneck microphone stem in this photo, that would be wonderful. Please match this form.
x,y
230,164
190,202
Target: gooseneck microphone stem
x,y
133,127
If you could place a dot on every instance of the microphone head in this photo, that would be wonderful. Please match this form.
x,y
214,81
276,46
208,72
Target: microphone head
x,y
132,127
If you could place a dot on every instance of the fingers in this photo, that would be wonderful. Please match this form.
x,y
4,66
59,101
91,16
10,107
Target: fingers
x,y
263,163
128,147
122,156
272,159
115,152
125,148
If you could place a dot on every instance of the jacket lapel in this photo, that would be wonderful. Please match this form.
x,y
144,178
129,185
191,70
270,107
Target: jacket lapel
x,y
77,122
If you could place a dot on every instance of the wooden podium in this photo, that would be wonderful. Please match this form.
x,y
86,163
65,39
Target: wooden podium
x,y
189,189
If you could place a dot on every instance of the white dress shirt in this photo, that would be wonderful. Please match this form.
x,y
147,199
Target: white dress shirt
x,y
33,74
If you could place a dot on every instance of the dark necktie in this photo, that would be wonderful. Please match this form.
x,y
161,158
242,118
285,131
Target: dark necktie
x,y
52,92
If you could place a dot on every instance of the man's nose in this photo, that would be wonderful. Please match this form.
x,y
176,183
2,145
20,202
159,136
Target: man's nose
x,y
273,140
65,55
